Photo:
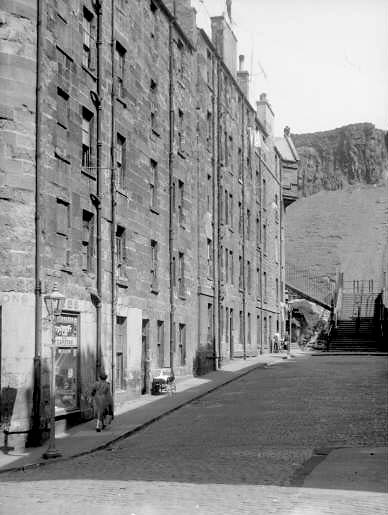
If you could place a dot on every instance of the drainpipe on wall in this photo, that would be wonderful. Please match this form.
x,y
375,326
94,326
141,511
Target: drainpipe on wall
x,y
243,225
217,185
38,229
98,103
170,190
261,255
215,162
113,204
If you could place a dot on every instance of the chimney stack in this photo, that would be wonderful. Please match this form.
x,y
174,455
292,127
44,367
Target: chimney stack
x,y
265,113
243,76
287,131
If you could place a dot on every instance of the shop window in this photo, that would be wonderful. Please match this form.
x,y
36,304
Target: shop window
x,y
87,241
66,363
121,352
160,344
154,267
121,252
277,290
121,162
182,344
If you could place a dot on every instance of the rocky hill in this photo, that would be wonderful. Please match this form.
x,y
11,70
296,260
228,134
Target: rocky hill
x,y
342,223
330,160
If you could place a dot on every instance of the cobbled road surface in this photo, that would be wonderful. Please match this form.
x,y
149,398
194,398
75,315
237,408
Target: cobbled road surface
x,y
239,450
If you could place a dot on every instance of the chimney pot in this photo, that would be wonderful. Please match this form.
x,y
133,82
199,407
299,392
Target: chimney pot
x,y
287,130
241,62
263,97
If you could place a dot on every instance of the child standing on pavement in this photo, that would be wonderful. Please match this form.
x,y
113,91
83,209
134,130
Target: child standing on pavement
x,y
103,401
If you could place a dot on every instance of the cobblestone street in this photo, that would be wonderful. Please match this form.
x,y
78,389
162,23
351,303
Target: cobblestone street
x,y
248,447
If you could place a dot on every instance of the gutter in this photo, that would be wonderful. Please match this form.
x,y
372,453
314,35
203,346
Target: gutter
x,y
170,190
38,228
113,207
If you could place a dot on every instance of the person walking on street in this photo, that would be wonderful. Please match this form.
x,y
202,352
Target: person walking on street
x,y
103,401
276,342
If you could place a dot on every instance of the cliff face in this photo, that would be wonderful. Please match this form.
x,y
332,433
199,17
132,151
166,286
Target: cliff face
x,y
342,223
330,160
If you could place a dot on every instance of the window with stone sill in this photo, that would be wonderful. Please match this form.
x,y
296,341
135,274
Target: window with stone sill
x,y
249,277
154,267
88,39
241,273
160,344
121,162
181,133
154,186
87,140
209,247
209,68
87,241
181,59
120,53
63,230
154,20
209,131
180,203
121,253
181,275
154,113
182,344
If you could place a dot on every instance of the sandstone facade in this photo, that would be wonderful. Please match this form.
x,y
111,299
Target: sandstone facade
x,y
191,230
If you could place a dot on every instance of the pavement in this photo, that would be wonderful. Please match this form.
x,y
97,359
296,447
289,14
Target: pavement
x,y
136,414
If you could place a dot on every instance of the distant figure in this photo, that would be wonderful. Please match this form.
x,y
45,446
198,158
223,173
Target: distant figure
x,y
276,342
103,401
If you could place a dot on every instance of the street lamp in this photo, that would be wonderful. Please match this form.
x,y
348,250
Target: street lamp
x,y
54,303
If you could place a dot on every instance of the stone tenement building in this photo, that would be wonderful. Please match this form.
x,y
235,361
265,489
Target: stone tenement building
x,y
137,176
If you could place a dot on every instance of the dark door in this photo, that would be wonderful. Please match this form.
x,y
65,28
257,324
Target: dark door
x,y
145,357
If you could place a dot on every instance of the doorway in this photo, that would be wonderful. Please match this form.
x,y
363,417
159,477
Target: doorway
x,y
145,356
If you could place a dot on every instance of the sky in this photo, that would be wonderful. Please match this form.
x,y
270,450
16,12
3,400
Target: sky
x,y
322,63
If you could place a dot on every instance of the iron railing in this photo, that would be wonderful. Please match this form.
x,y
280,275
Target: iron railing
x,y
319,287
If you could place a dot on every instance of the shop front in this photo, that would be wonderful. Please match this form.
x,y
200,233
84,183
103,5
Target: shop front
x,y
67,364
